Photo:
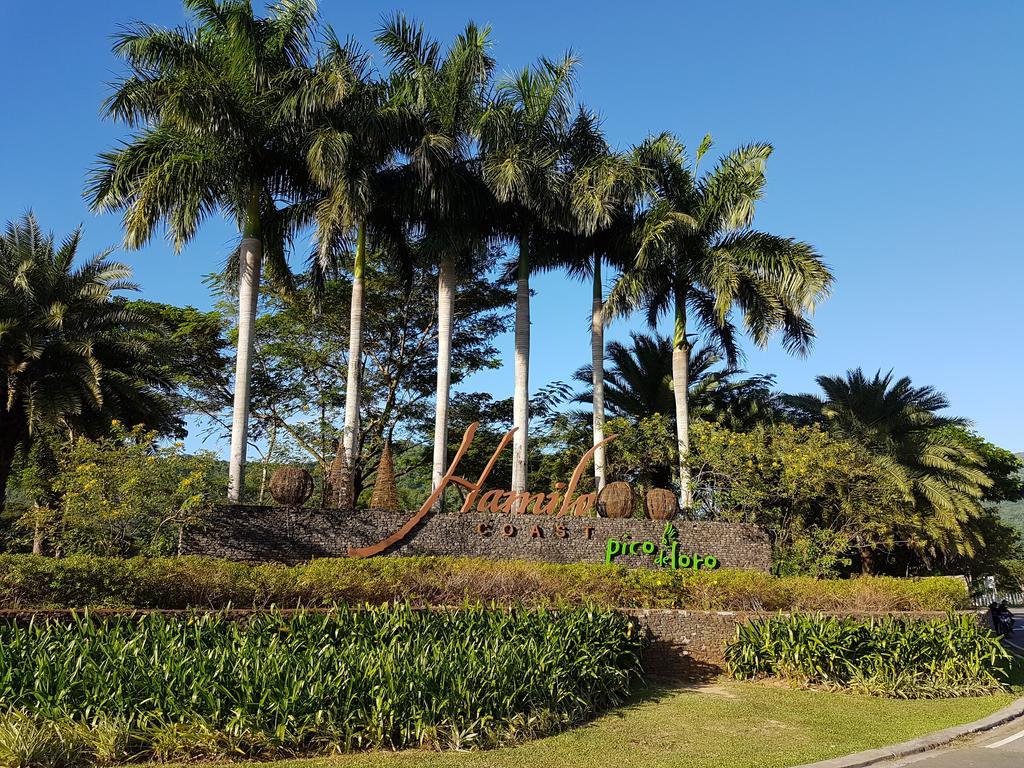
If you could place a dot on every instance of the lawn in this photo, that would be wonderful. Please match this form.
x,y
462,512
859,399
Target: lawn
x,y
725,724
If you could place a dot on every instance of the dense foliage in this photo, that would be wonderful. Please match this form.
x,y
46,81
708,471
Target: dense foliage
x,y
427,187
907,658
34,582
72,355
814,493
182,687
638,384
125,493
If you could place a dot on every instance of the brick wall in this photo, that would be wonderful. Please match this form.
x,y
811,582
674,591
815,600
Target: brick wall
x,y
280,534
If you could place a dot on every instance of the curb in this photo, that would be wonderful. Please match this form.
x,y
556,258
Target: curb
x,y
923,743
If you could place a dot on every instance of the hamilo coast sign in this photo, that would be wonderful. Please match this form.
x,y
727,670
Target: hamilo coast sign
x,y
557,503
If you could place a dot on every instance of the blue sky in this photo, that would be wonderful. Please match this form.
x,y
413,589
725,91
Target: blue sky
x,y
897,129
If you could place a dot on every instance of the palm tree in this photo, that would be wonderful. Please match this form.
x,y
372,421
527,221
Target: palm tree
x,y
445,194
594,233
698,258
523,135
639,384
222,110
935,469
73,355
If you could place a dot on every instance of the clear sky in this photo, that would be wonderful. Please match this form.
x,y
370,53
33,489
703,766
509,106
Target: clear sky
x,y
897,128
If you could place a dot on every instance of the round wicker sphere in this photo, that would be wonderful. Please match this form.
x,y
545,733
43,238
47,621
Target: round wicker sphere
x,y
661,504
291,486
616,500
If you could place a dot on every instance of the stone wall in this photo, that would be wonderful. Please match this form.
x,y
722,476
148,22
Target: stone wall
x,y
279,534
691,644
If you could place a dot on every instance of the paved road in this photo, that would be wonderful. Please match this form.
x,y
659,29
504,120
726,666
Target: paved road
x,y
1001,747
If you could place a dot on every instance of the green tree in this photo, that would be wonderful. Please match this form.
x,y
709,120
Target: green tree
x,y
594,234
72,354
639,385
125,495
815,493
699,260
194,353
925,453
222,111
299,376
32,483
352,157
444,94
523,135
1004,468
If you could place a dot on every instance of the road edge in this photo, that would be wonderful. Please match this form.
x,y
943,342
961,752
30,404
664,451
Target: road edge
x,y
930,741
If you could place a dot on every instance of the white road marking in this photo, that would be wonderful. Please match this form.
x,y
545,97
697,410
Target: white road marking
x,y
1007,740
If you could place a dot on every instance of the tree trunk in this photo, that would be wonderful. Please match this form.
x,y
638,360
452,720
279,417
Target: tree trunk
x,y
355,352
37,530
521,397
250,261
266,462
597,367
680,385
445,311
867,561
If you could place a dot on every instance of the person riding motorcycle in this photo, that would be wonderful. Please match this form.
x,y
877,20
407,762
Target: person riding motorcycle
x,y
1001,618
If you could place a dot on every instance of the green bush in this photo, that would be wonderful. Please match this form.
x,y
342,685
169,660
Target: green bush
x,y
37,582
202,685
905,658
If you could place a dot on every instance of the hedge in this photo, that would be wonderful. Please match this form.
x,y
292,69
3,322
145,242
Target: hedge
x,y
27,581
393,677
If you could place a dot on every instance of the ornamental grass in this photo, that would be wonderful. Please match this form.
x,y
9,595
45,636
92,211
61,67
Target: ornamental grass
x,y
118,688
883,656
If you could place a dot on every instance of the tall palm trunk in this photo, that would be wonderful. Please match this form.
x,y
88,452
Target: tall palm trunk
x,y
355,352
597,368
250,262
37,530
521,396
445,310
680,385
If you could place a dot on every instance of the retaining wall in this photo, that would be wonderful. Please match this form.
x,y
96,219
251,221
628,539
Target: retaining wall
x,y
280,534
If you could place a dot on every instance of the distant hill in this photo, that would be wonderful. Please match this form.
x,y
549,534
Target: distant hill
x,y
1013,511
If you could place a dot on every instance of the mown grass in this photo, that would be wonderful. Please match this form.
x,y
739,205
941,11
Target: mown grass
x,y
38,582
727,725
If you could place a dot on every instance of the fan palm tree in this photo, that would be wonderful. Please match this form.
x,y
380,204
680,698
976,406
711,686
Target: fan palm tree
x,y
899,424
699,260
639,384
222,111
523,135
444,93
72,355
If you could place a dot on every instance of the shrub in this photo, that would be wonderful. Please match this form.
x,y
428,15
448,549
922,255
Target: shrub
x,y
814,493
124,494
394,677
36,582
955,656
